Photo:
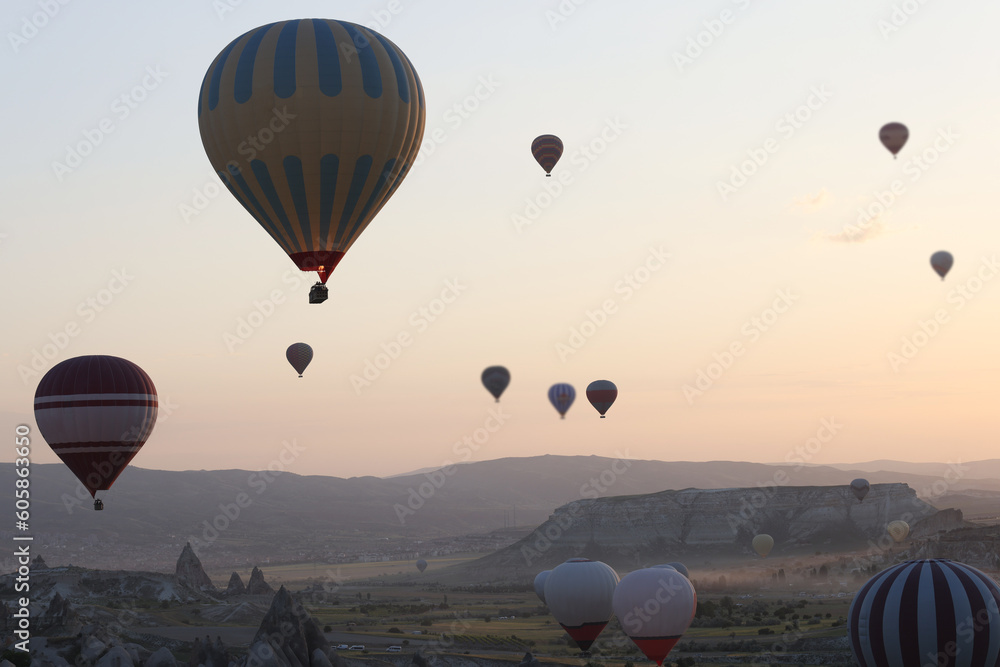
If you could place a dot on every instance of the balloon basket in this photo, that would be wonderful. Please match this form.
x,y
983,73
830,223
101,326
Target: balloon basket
x,y
318,294
98,504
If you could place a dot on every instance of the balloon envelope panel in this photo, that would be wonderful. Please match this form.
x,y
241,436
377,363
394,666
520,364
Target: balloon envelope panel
x,y
547,149
96,412
579,594
312,124
937,612
299,355
655,607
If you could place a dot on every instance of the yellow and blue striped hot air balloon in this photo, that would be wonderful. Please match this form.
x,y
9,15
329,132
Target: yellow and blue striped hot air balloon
x,y
312,124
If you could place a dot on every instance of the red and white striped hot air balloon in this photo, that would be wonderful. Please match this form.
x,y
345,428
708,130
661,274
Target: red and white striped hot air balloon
x,y
655,607
96,412
602,394
579,593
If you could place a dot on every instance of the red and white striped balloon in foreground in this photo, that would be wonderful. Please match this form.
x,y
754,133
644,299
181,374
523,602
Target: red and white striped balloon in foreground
x,y
579,593
96,412
602,394
655,607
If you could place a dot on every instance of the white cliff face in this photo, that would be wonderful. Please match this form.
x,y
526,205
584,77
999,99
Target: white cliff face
x,y
678,522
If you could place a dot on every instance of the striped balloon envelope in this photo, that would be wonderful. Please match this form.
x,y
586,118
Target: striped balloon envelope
x,y
299,355
926,612
602,395
561,396
547,150
96,412
312,124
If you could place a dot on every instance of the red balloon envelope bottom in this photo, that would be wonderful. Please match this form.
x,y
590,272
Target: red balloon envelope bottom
x,y
99,469
584,635
322,261
656,648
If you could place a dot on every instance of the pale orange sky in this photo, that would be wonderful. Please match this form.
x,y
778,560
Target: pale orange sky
x,y
666,135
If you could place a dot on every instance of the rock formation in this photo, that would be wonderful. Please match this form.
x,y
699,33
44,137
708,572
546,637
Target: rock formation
x,y
116,657
190,573
162,657
235,586
288,636
209,653
628,531
257,585
59,618
39,564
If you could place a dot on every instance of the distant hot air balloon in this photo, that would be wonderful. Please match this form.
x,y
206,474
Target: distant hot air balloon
x,y
421,564
547,149
540,584
299,355
562,396
96,412
655,607
578,593
602,395
941,262
680,567
312,124
496,379
860,488
926,612
893,136
763,544
898,530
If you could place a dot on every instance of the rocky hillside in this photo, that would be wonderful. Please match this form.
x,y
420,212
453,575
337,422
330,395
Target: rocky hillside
x,y
630,531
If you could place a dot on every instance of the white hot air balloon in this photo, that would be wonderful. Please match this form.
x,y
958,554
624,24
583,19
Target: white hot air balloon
x,y
578,593
655,607
540,584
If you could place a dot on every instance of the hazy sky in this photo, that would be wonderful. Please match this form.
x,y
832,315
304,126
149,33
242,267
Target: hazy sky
x,y
660,104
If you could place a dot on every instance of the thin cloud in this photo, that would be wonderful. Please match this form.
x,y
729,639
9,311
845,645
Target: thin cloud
x,y
862,233
811,203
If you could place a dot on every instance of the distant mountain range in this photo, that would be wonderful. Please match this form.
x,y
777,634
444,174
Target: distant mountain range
x,y
307,516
